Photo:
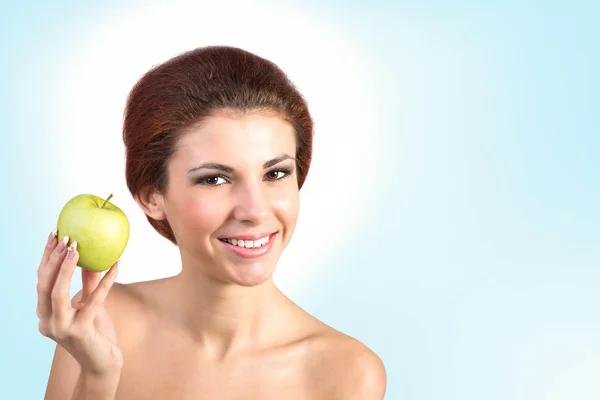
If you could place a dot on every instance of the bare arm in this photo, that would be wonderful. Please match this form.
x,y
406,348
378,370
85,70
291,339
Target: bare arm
x,y
90,387
63,375
87,361
67,382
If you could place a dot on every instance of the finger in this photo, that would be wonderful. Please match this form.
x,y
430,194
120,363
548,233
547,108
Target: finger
x,y
98,296
90,281
50,245
61,301
47,277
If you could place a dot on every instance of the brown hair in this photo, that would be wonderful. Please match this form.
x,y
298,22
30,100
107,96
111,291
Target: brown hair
x,y
192,86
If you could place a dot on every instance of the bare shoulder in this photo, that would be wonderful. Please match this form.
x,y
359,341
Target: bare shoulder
x,y
130,305
120,302
126,309
342,367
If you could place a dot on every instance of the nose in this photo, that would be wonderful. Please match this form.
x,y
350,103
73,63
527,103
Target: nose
x,y
251,204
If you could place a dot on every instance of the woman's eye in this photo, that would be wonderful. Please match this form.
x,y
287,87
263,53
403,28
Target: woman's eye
x,y
212,181
276,174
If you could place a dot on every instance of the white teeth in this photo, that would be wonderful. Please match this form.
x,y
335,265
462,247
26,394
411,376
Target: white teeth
x,y
249,244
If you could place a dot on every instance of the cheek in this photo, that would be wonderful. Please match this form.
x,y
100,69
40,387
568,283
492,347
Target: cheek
x,y
287,206
198,216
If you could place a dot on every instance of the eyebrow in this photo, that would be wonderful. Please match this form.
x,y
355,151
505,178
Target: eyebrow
x,y
228,169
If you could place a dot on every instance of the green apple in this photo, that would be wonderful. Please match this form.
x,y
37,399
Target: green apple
x,y
100,228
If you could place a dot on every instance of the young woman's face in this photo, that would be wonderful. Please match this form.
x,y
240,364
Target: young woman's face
x,y
232,199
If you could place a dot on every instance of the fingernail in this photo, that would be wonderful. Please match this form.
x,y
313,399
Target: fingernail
x,y
61,246
71,250
52,238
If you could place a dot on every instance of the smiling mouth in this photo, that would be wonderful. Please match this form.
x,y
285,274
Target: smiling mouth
x,y
248,244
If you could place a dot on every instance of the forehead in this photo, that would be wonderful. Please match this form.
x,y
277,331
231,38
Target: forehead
x,y
225,137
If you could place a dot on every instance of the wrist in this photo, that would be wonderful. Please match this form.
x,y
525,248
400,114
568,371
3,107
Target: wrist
x,y
92,385
106,374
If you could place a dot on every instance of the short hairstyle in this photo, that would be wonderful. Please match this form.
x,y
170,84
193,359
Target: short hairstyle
x,y
192,86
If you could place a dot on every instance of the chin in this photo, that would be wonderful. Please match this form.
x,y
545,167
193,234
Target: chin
x,y
251,275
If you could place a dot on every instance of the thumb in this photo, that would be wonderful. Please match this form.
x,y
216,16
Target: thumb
x,y
90,281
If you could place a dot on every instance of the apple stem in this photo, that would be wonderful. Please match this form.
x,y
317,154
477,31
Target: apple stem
x,y
106,201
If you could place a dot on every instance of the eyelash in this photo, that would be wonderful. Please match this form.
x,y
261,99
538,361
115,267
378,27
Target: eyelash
x,y
286,172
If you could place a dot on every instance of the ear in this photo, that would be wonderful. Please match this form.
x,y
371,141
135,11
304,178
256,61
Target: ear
x,y
152,202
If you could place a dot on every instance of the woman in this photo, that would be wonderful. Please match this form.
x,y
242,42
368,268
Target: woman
x,y
218,143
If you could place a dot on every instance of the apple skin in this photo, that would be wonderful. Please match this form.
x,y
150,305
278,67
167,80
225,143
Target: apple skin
x,y
101,233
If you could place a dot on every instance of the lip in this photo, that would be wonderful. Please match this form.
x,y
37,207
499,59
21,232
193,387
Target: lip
x,y
249,237
253,252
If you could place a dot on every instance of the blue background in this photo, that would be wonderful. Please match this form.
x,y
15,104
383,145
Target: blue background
x,y
477,273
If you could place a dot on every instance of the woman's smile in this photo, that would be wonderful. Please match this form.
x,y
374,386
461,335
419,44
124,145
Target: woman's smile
x,y
250,248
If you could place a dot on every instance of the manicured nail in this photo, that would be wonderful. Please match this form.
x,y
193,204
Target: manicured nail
x,y
71,250
61,246
52,238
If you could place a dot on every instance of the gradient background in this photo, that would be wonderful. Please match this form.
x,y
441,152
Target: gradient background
x,y
451,218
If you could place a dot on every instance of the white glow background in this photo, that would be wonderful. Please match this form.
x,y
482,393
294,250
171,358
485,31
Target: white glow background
x,y
450,219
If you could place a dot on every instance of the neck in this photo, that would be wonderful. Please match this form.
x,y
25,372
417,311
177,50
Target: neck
x,y
225,318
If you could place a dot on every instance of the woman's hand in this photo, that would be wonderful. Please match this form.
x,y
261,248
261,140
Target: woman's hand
x,y
83,327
